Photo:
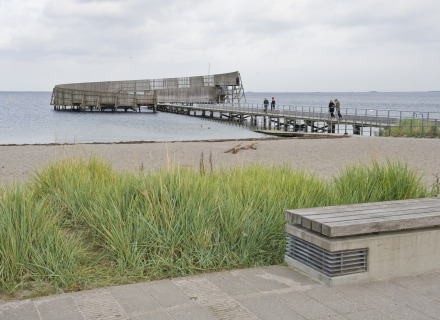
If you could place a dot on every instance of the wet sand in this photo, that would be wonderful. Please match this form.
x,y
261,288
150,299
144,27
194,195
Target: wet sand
x,y
324,156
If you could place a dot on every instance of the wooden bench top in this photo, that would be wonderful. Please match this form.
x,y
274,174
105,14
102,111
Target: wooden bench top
x,y
355,219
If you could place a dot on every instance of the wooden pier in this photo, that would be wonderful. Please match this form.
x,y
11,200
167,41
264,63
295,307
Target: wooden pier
x,y
133,94
221,97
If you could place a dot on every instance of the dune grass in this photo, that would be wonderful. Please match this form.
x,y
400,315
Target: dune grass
x,y
416,128
80,224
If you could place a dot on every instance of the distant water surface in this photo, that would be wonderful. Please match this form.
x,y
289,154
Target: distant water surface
x,y
400,101
28,118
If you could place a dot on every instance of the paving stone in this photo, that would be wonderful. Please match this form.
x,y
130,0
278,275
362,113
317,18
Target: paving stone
x,y
166,293
260,293
296,279
191,312
265,307
366,296
215,301
133,298
337,300
260,279
153,315
404,313
305,306
20,310
367,315
231,284
425,284
99,304
426,306
403,296
59,308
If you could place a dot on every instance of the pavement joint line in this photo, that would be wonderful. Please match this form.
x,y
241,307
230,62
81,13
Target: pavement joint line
x,y
165,309
36,309
236,273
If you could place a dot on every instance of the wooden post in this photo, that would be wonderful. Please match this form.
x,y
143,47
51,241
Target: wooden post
x,y
98,103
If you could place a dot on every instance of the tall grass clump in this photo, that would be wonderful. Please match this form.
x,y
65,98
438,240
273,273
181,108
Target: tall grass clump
x,y
180,221
416,128
34,249
70,185
81,224
378,182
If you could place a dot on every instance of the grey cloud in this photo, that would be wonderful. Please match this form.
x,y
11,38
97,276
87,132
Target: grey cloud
x,y
308,38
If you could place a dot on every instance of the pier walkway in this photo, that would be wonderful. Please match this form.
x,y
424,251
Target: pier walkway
x,y
309,119
274,292
221,97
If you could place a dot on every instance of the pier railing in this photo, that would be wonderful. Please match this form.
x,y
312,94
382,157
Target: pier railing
x,y
356,121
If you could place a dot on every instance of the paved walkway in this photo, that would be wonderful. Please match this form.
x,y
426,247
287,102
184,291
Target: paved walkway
x,y
262,293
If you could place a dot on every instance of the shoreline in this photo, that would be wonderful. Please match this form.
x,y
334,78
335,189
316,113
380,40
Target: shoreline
x,y
322,156
271,137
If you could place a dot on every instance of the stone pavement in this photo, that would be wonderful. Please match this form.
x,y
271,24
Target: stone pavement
x,y
274,292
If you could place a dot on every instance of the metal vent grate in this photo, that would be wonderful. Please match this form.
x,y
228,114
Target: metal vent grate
x,y
329,263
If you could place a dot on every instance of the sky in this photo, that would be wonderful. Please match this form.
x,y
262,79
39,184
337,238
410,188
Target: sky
x,y
276,45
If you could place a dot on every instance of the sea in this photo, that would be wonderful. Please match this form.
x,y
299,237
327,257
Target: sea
x,y
28,117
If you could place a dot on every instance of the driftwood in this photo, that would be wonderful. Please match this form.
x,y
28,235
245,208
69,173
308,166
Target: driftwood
x,y
238,147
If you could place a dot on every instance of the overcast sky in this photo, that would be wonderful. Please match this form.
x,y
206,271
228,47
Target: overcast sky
x,y
277,45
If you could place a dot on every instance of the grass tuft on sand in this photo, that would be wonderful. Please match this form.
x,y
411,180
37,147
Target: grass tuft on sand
x,y
79,224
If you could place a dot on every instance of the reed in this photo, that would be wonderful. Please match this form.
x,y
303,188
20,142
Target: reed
x,y
34,249
80,224
378,182
417,128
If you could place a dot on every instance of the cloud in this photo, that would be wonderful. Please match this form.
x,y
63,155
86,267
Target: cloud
x,y
286,45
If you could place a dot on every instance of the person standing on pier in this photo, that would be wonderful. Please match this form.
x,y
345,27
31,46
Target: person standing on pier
x,y
338,108
266,104
272,105
331,108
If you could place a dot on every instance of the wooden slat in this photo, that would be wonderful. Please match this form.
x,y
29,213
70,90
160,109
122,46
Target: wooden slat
x,y
368,217
381,225
376,214
400,212
297,214
374,209
316,225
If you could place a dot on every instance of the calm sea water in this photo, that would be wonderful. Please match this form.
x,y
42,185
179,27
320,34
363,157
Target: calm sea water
x,y
28,118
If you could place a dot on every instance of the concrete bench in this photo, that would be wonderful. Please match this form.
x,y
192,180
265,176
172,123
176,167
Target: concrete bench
x,y
363,242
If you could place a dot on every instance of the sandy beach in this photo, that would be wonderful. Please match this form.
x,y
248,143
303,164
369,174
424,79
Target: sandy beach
x,y
323,156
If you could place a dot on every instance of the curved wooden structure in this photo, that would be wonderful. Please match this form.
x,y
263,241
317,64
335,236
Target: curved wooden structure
x,y
132,94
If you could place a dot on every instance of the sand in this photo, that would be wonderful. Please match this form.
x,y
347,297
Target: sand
x,y
324,157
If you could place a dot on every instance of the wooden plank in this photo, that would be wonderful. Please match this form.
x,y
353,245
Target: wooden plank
x,y
292,217
373,213
340,229
368,210
312,213
361,206
319,225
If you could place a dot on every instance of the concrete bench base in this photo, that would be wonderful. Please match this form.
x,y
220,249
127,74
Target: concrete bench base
x,y
389,254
